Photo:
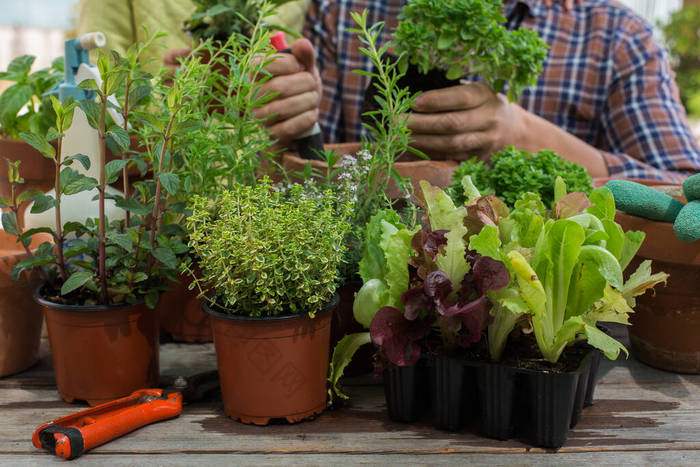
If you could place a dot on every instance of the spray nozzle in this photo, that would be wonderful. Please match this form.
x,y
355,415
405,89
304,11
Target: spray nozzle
x,y
92,40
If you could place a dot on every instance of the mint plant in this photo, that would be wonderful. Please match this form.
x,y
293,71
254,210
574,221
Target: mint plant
x,y
467,38
27,92
114,262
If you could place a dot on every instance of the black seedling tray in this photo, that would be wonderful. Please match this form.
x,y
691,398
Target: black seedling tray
x,y
543,405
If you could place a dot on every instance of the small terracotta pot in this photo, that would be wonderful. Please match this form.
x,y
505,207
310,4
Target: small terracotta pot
x,y
665,331
272,367
438,173
103,352
180,313
20,317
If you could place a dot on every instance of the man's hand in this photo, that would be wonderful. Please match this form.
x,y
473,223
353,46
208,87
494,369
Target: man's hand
x,y
297,85
463,121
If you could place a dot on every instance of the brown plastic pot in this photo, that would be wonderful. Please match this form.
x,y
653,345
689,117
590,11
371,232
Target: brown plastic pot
x,y
665,331
272,368
181,316
103,352
438,173
20,317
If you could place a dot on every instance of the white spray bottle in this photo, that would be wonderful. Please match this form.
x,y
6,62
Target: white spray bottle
x,y
80,138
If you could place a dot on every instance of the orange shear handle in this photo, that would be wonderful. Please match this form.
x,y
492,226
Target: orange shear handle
x,y
71,436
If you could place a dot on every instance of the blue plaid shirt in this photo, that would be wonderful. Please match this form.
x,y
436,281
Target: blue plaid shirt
x,y
605,80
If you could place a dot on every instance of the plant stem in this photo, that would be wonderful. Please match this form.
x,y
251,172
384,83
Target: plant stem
x,y
125,174
156,201
60,261
101,188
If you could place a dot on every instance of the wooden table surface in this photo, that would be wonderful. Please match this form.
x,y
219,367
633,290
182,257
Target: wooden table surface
x,y
640,416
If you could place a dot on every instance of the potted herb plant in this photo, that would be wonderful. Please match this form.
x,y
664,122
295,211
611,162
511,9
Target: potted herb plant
x,y
270,258
23,108
20,317
100,288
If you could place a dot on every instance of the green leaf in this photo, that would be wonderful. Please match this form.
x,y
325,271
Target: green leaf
x,y
455,71
633,240
73,182
486,242
440,208
373,295
170,181
27,234
9,223
603,203
607,264
113,169
166,256
75,281
132,205
92,112
452,259
82,158
398,250
151,299
12,100
40,144
43,203
598,339
342,355
28,195
123,240
447,39
119,136
640,281
373,264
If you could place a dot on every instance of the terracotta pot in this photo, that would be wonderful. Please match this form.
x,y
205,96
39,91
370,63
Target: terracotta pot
x,y
665,331
272,368
103,352
20,317
181,316
438,173
38,172
344,323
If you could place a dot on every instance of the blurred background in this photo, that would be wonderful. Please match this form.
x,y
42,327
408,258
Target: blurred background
x,y
39,27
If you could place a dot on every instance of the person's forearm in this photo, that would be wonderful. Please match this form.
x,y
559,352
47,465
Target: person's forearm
x,y
536,133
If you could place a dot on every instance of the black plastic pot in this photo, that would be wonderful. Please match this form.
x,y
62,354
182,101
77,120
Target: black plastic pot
x,y
406,391
541,405
553,403
496,386
453,392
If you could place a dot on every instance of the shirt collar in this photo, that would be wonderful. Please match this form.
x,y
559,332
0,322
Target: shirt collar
x,y
535,7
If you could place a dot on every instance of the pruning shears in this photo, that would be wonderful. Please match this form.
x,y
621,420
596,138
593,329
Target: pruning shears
x,y
71,436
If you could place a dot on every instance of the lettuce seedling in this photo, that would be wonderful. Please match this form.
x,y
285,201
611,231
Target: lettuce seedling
x,y
566,266
467,37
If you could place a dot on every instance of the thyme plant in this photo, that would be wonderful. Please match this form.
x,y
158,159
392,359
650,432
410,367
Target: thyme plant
x,y
268,252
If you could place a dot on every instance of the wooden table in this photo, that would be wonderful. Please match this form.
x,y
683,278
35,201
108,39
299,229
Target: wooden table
x,y
640,415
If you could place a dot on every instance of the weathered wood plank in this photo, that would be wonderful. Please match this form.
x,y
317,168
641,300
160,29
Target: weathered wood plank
x,y
679,458
640,415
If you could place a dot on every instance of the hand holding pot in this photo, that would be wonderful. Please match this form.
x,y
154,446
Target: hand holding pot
x,y
296,84
463,121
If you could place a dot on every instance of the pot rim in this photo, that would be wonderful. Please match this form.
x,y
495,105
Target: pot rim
x,y
206,309
83,308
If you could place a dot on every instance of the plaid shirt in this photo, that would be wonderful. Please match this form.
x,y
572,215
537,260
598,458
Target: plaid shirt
x,y
605,81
